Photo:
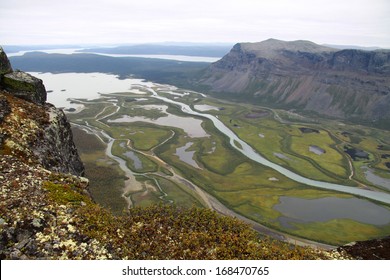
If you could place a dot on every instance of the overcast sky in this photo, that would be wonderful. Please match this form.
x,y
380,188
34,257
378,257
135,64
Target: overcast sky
x,y
347,22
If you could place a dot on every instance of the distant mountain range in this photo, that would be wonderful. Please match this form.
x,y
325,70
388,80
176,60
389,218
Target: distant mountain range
x,y
344,47
188,50
350,83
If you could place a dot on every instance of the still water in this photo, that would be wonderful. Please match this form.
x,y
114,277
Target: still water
x,y
187,156
299,210
191,126
64,86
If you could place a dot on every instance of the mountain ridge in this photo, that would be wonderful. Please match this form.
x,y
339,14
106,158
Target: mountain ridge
x,y
348,84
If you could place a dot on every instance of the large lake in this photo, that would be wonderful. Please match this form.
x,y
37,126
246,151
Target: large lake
x,y
64,86
159,56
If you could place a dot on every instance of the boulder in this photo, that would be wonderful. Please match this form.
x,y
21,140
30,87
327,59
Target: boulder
x,y
25,86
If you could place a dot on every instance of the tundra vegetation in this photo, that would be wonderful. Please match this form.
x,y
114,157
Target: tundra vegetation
x,y
246,187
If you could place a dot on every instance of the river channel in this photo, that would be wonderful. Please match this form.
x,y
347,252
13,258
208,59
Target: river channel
x,y
250,153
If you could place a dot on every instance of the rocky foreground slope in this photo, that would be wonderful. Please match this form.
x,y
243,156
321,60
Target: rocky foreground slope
x,y
351,84
46,211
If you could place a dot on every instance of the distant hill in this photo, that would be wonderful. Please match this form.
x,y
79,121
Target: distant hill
x,y
344,47
188,50
350,84
158,70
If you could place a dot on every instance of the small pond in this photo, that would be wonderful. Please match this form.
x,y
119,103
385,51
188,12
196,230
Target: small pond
x,y
282,156
308,130
136,161
299,210
317,150
356,154
187,156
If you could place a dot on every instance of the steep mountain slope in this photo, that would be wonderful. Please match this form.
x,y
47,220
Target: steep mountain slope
x,y
302,75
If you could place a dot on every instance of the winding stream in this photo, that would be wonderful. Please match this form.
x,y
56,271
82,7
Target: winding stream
x,y
250,153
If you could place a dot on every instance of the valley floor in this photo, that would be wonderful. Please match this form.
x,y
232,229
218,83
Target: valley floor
x,y
141,150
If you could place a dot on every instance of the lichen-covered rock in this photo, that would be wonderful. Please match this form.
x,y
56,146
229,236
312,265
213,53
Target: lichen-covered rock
x,y
25,86
38,211
38,134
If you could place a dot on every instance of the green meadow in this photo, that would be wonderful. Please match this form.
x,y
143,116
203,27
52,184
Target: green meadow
x,y
246,187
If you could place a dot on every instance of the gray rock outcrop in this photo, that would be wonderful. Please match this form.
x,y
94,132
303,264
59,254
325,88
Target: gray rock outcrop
x,y
56,150
25,86
20,84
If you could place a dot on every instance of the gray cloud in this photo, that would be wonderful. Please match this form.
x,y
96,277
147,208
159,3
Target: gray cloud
x,y
122,21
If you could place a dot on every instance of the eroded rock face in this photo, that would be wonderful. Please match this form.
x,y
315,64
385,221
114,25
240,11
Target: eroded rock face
x,y
5,65
351,84
56,148
25,86
31,129
38,134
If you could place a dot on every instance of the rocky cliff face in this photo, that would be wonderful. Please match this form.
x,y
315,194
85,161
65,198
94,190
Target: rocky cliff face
x,y
38,164
5,66
303,75
32,129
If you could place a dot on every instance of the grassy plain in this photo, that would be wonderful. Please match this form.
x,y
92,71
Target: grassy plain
x,y
240,184
106,179
143,136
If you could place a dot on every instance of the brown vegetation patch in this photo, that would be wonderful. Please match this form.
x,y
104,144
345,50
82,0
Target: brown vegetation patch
x,y
376,249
